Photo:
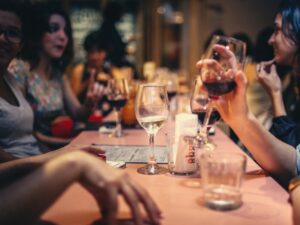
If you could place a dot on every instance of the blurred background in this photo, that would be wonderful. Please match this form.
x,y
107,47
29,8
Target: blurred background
x,y
170,33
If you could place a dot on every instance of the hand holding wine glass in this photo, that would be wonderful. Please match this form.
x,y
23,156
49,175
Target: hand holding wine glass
x,y
117,96
224,56
152,109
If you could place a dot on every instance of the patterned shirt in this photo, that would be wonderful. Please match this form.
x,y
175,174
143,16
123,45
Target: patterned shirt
x,y
45,96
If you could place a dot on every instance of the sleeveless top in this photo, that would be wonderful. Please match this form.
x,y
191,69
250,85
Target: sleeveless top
x,y
16,124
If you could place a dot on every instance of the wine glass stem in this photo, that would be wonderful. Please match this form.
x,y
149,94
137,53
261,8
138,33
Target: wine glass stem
x,y
152,159
118,123
203,131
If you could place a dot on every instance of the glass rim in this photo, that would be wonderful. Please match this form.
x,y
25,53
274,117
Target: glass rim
x,y
224,156
229,38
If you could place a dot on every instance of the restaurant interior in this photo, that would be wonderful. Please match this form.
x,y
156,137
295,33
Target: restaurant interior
x,y
171,33
192,164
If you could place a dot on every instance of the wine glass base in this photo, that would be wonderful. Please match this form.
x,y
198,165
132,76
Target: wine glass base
x,y
207,145
152,169
115,134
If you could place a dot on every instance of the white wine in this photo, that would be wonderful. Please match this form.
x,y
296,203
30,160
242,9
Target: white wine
x,y
152,123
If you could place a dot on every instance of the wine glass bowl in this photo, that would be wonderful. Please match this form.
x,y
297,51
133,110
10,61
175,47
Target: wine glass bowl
x,y
224,56
152,110
117,96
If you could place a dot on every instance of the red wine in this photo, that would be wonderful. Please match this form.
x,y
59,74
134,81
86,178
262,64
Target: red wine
x,y
216,88
119,103
214,117
171,94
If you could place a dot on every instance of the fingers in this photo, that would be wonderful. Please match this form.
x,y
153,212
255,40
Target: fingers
x,y
149,204
210,64
109,207
226,54
132,200
93,149
226,58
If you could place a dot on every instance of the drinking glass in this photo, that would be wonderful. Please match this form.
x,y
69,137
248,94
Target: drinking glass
x,y
224,56
152,110
207,115
117,95
172,89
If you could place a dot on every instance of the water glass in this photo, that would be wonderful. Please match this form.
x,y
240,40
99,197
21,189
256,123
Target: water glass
x,y
221,176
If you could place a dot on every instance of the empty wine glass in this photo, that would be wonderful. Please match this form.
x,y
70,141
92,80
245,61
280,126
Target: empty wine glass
x,y
152,110
117,96
207,115
224,56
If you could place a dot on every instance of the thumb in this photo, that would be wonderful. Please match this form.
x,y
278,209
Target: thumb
x,y
241,81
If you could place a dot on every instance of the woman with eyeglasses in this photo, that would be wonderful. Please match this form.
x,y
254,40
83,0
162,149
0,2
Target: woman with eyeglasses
x,y
24,182
16,116
46,53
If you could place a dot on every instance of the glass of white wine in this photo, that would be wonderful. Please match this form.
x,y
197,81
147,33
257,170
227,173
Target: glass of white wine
x,y
152,110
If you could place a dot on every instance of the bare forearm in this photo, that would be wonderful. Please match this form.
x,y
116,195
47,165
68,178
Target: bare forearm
x,y
52,141
272,154
15,169
278,105
37,190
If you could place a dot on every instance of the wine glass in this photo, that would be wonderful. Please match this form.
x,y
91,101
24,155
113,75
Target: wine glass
x,y
224,56
117,95
172,89
207,115
152,110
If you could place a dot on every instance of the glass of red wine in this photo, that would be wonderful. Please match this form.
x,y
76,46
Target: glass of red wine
x,y
207,115
117,95
172,89
223,57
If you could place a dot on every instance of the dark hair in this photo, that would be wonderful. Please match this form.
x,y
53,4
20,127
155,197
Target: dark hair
x,y
39,21
290,12
113,11
93,41
263,51
15,7
245,38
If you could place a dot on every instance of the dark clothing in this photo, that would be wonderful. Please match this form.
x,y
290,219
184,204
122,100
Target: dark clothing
x,y
291,99
285,129
116,48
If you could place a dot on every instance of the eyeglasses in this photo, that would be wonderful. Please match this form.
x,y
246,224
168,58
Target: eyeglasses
x,y
12,35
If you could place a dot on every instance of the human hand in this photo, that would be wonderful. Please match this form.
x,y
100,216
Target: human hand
x,y
106,183
268,77
95,90
233,106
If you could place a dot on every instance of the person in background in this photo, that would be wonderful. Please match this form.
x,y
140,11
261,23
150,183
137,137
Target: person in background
x,y
285,42
257,97
16,117
48,50
275,156
96,63
24,182
108,33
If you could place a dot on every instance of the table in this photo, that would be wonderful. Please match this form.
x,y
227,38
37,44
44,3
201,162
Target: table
x,y
265,202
